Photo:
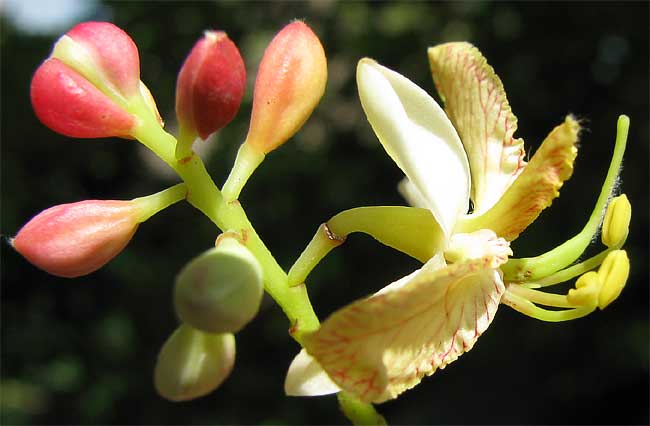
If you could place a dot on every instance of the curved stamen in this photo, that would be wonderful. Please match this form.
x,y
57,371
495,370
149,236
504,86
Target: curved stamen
x,y
572,271
528,308
534,268
543,298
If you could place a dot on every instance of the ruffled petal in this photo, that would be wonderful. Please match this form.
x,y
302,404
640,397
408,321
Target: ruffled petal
x,y
378,347
419,137
535,189
476,103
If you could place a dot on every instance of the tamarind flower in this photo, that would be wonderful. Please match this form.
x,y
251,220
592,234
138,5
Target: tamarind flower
x,y
378,347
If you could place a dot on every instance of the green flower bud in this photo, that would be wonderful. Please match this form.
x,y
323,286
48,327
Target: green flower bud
x,y
192,363
220,291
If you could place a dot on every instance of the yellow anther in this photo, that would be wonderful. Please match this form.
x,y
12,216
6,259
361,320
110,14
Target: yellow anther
x,y
617,221
587,290
613,273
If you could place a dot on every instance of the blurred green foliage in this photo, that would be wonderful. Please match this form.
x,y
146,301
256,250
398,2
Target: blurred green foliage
x,y
82,351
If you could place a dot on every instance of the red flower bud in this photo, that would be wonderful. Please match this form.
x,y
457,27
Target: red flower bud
x,y
210,85
113,52
69,104
90,85
71,240
290,82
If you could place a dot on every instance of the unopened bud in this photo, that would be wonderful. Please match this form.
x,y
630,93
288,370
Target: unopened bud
x,y
90,85
210,85
587,289
613,273
290,83
617,221
104,54
192,363
221,290
71,240
150,104
69,104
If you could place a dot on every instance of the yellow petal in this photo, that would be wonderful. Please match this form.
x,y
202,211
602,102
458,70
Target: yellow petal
x,y
535,188
378,347
476,103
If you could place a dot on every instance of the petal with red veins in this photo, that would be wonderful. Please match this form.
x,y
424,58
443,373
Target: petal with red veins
x,y
377,348
476,103
535,189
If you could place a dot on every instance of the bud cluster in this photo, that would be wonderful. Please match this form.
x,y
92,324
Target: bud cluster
x,y
90,87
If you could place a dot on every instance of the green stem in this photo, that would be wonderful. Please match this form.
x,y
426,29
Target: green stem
x,y
533,268
410,230
184,142
359,413
152,204
203,194
247,161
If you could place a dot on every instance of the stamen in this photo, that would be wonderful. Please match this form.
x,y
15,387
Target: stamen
x,y
571,272
617,221
535,268
528,308
543,298
613,273
587,290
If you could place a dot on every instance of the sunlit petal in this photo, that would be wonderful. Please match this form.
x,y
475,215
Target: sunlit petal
x,y
535,188
476,103
419,137
306,378
381,346
412,194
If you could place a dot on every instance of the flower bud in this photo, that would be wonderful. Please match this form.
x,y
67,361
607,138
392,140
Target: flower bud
x,y
210,85
90,85
617,221
71,240
613,273
290,82
69,104
104,54
221,290
587,289
192,363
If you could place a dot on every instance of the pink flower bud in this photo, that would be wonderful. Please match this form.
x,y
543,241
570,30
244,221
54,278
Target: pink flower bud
x,y
210,85
71,240
69,104
112,51
290,82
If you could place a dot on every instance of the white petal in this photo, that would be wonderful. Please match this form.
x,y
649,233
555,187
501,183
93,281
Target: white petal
x,y
419,137
306,378
412,194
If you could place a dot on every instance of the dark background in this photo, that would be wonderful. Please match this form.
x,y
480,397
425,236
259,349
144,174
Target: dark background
x,y
82,351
